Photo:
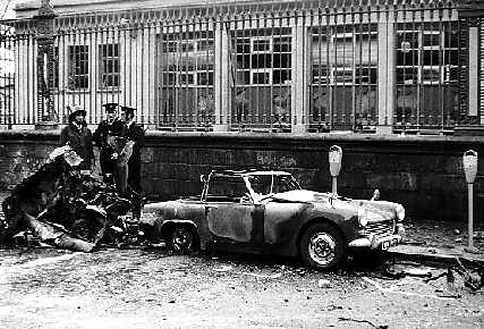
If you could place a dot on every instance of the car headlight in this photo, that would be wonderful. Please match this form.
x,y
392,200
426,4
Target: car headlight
x,y
400,210
362,217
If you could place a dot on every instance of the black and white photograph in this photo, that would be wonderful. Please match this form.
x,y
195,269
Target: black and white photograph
x,y
241,164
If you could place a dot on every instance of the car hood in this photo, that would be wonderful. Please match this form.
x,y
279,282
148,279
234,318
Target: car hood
x,y
377,210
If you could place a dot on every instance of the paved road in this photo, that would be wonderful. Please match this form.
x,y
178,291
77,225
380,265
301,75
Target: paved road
x,y
46,288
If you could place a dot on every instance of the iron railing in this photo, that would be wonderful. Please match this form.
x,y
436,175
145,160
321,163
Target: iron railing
x,y
338,65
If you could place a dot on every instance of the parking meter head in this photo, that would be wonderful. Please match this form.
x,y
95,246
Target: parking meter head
x,y
335,158
469,162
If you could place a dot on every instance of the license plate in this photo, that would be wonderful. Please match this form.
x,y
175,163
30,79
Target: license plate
x,y
388,242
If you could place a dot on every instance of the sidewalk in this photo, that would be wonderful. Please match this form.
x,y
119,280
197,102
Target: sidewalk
x,y
439,241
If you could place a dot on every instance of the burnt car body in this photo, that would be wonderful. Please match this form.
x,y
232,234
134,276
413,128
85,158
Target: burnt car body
x,y
268,212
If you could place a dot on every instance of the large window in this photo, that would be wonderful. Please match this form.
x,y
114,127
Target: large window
x,y
344,77
109,67
186,79
78,67
261,76
427,75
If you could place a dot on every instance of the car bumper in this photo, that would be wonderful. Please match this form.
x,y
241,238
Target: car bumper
x,y
378,242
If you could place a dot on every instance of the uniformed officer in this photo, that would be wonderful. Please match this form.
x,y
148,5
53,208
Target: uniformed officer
x,y
135,133
100,137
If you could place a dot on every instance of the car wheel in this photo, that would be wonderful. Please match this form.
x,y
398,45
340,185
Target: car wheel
x,y
183,239
322,246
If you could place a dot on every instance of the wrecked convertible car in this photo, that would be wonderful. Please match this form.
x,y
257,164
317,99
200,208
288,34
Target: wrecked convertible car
x,y
268,212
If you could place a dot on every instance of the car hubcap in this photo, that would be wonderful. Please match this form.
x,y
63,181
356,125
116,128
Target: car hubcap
x,y
322,248
182,239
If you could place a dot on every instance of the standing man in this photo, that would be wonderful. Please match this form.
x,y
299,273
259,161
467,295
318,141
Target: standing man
x,y
79,137
101,134
136,134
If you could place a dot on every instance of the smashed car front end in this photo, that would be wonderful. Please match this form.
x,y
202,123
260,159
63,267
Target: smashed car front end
x,y
379,224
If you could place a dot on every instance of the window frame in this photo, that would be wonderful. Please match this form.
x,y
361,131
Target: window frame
x,y
73,55
102,67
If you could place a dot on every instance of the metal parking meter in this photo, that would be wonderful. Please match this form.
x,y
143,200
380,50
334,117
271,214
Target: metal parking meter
x,y
335,157
470,169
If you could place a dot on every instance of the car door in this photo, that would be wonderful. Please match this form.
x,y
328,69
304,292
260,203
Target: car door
x,y
230,212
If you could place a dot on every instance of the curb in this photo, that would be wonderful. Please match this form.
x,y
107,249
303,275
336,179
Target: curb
x,y
408,252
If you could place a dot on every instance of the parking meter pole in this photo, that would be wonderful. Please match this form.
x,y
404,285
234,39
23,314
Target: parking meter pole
x,y
470,190
335,156
469,162
334,188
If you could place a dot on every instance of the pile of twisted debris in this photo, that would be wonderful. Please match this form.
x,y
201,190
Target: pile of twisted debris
x,y
61,206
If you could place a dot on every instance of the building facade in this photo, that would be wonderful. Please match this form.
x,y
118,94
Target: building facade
x,y
366,66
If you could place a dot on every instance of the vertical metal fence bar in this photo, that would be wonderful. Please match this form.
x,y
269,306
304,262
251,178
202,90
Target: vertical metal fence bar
x,y
26,111
116,89
176,86
148,77
63,71
420,98
137,40
125,59
187,43
354,71
98,79
131,63
334,45
14,104
369,65
35,111
18,78
86,60
92,108
345,121
271,85
159,92
441,71
415,70
141,65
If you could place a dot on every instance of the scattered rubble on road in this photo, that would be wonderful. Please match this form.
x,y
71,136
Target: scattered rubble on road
x,y
448,283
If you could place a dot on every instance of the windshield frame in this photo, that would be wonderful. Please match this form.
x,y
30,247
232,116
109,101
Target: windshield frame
x,y
257,196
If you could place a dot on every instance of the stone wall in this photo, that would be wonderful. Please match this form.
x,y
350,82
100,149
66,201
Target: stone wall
x,y
424,173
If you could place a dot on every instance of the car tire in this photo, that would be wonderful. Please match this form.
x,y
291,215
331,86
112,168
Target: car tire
x,y
183,240
322,246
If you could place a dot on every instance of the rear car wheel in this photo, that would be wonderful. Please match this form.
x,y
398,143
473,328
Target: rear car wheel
x,y
183,239
322,246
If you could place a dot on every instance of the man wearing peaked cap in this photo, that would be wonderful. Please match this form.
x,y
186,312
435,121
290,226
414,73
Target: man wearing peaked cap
x,y
78,136
110,107
101,135
135,133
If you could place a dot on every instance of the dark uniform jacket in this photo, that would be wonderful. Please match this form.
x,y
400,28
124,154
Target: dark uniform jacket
x,y
81,142
101,136
136,134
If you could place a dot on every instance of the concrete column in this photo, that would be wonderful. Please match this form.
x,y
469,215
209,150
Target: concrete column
x,y
222,79
473,71
299,107
386,74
